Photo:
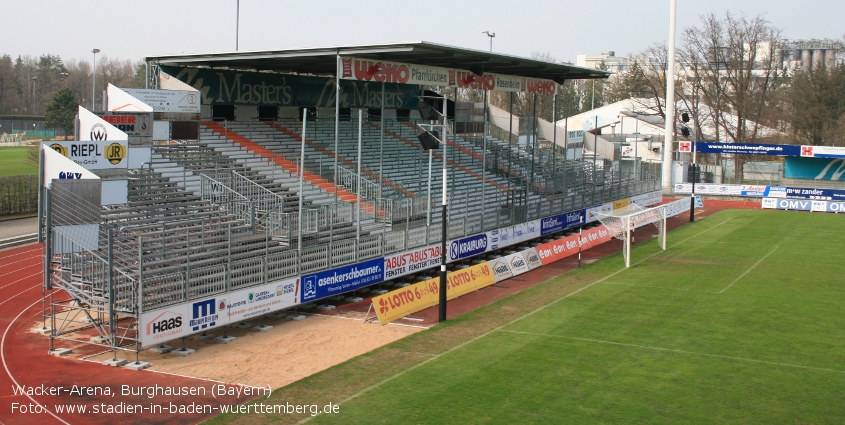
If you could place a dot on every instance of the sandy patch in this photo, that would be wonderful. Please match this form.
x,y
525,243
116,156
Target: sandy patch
x,y
292,350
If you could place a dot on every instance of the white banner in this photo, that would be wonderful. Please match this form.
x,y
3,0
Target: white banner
x,y
168,100
710,189
93,155
121,101
412,261
501,269
93,128
58,166
531,258
517,264
174,322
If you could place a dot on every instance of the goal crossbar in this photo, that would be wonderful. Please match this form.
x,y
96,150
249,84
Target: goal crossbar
x,y
634,217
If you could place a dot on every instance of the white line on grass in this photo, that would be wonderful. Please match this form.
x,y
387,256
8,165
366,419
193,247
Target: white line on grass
x,y
673,350
749,269
498,328
660,287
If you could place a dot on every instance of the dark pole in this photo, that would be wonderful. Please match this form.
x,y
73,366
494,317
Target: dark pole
x,y
692,194
444,203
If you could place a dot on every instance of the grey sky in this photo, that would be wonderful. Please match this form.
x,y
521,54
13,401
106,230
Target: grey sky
x,y
132,30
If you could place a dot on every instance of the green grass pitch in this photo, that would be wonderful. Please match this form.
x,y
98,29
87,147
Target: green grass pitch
x,y
740,321
13,161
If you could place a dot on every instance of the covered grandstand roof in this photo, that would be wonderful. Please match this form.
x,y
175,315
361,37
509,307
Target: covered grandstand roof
x,y
323,60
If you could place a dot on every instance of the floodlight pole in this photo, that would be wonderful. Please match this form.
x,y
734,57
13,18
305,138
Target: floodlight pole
x,y
444,203
670,103
692,193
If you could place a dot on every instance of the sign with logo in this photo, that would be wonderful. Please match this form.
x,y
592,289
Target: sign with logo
x,y
564,247
187,101
748,149
343,279
646,199
532,259
525,231
93,128
93,155
181,320
517,264
57,166
131,123
467,247
560,222
402,73
501,269
421,295
406,301
823,151
462,282
412,261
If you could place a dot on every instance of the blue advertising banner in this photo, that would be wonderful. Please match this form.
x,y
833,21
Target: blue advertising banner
x,y
467,247
225,87
815,168
803,205
804,192
748,148
561,221
343,279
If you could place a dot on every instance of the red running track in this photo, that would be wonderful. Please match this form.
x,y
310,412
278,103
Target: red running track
x,y
25,362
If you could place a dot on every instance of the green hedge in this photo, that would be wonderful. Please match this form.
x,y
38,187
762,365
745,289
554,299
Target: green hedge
x,y
18,194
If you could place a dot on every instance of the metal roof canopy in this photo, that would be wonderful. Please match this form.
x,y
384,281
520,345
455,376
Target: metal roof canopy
x,y
323,60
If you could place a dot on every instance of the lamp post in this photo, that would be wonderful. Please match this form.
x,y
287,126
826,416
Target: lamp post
x,y
491,35
94,83
64,76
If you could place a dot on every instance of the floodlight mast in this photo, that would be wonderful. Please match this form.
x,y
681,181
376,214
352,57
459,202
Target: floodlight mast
x,y
444,204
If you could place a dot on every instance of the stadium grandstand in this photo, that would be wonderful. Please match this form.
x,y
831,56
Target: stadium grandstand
x,y
301,172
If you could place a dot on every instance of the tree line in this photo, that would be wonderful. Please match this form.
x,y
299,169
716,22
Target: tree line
x,y
28,84
729,72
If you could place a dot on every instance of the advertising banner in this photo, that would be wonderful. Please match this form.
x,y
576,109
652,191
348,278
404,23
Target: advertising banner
x,y
526,231
131,123
93,155
467,247
187,101
406,301
815,168
412,261
405,73
517,264
224,87
564,247
121,101
748,149
714,189
58,166
93,128
803,205
531,258
646,199
174,322
467,280
560,222
823,151
501,269
590,213
343,279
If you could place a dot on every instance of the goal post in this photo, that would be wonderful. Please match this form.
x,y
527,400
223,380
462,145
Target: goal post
x,y
621,224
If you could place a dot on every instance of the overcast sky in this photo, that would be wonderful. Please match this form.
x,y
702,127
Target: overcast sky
x,y
133,30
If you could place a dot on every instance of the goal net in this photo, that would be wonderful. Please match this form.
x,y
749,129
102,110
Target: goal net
x,y
623,222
